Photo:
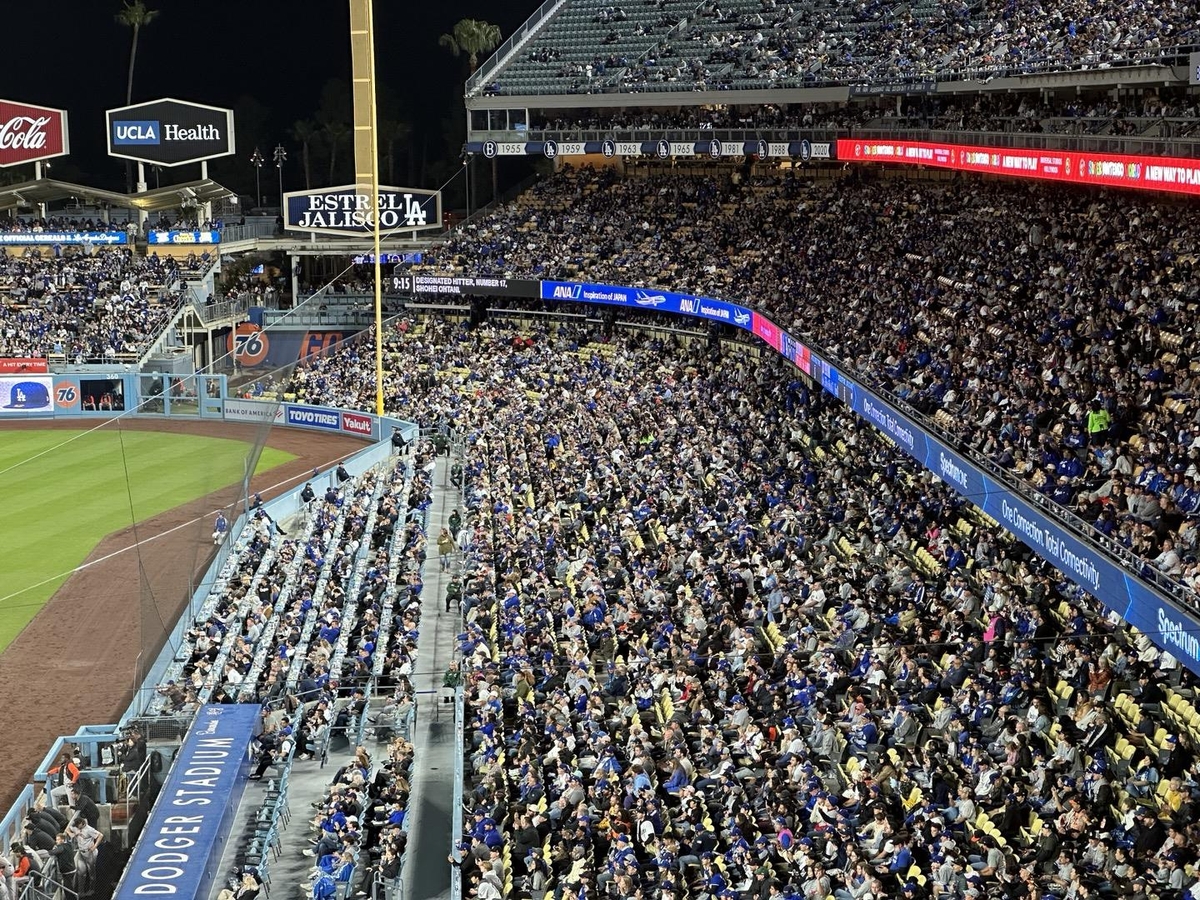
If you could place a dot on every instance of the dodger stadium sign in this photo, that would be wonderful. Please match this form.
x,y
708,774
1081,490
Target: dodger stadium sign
x,y
347,210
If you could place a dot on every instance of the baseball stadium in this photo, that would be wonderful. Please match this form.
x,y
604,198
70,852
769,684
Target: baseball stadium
x,y
754,458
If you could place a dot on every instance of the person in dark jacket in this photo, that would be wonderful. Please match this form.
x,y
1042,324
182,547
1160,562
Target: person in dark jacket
x,y
85,806
63,854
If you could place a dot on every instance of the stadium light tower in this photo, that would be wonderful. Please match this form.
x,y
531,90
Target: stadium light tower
x,y
256,160
280,159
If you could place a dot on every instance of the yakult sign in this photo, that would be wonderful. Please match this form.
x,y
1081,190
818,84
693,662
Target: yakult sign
x,y
31,133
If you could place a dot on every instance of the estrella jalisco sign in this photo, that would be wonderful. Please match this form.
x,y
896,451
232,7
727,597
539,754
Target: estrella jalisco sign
x,y
348,210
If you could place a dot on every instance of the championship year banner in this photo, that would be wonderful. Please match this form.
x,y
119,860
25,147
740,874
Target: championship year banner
x,y
210,236
803,149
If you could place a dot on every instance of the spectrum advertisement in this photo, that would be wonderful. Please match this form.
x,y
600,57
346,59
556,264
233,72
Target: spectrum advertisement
x,y
1177,175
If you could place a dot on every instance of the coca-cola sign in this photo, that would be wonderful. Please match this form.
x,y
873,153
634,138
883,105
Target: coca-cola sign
x,y
31,133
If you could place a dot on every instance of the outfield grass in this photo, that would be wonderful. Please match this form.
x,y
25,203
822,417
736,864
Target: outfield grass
x,y
63,491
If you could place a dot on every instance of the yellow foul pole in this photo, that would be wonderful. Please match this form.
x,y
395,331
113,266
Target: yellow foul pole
x,y
366,152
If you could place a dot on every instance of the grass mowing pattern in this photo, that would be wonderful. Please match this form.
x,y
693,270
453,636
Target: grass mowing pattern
x,y
60,505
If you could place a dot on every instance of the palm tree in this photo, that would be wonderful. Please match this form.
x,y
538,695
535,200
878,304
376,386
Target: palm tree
x,y
134,15
471,38
306,131
393,132
335,133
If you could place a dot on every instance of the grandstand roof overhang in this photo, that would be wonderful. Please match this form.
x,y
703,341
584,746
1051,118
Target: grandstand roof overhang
x,y
1148,76
49,190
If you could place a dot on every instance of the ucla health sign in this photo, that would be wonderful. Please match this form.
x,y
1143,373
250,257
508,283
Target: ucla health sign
x,y
169,132
348,211
180,846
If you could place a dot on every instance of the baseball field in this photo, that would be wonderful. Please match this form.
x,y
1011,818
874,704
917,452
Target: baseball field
x,y
64,491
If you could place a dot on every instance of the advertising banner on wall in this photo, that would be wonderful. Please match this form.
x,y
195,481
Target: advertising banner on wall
x,y
359,424
211,236
1177,175
23,394
169,132
346,211
36,238
16,365
31,133
312,417
68,398
181,842
256,411
650,299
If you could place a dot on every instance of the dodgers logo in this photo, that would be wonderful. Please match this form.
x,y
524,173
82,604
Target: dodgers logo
x,y
664,149
762,149
714,149
644,299
609,149
550,149
805,151
742,318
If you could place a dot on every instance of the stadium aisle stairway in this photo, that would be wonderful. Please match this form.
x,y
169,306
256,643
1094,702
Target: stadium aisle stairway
x,y
431,820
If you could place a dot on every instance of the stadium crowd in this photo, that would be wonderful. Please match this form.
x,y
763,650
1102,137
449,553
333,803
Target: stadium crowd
x,y
1167,115
87,304
732,44
1048,329
721,641
308,622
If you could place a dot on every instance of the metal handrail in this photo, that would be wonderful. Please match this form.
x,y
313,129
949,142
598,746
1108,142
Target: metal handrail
x,y
39,891
226,309
531,25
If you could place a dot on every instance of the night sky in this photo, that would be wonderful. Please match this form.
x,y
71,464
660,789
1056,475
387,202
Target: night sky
x,y
231,53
